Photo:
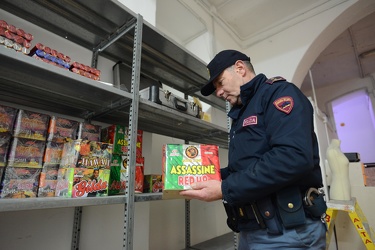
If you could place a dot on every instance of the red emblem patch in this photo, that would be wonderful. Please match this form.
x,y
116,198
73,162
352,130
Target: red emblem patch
x,y
284,104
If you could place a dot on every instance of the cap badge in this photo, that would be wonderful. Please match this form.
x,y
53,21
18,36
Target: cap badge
x,y
284,104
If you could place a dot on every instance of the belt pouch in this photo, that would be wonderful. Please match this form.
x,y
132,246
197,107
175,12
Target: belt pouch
x,y
268,211
289,203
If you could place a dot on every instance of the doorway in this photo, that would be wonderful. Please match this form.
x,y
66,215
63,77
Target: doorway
x,y
355,124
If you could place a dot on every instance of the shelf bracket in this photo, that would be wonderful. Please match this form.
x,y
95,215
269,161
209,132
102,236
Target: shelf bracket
x,y
111,39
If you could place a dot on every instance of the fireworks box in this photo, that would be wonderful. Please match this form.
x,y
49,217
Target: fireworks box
x,y
183,165
119,174
86,154
152,183
53,153
48,181
118,136
82,182
166,98
7,117
26,153
5,139
20,182
31,125
90,132
60,129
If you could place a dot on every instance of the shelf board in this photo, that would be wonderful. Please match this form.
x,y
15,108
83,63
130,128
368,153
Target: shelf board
x,y
58,202
148,197
159,119
30,82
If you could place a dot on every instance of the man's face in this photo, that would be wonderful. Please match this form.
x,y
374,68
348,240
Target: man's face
x,y
96,173
228,85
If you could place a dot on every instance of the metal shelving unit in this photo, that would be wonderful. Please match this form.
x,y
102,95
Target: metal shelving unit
x,y
109,30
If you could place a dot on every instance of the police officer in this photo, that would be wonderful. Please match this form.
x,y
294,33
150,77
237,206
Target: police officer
x,y
270,188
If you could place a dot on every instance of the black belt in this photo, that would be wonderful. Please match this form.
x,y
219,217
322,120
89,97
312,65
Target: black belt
x,y
250,213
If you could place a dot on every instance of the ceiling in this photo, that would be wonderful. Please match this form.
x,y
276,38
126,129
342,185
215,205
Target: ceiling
x,y
350,55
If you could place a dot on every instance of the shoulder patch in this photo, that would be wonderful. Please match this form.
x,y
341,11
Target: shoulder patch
x,y
275,79
284,104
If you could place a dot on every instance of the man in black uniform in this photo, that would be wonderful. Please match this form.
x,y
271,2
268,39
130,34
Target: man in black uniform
x,y
271,186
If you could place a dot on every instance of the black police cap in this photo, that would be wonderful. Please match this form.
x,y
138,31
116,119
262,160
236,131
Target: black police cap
x,y
218,64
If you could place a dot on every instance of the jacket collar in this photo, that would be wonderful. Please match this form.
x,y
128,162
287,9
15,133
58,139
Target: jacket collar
x,y
246,93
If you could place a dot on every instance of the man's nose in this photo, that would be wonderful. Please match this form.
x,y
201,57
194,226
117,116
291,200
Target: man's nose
x,y
219,92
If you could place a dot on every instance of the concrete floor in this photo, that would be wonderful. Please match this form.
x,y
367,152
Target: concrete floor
x,y
224,242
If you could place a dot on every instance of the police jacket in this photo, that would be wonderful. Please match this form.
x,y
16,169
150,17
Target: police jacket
x,y
272,142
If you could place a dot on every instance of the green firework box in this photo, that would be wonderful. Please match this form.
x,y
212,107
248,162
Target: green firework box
x,y
119,174
118,136
185,164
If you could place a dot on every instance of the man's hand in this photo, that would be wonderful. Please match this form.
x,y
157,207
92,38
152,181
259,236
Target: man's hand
x,y
205,191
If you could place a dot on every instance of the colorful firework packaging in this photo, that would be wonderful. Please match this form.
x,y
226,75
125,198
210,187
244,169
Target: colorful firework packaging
x,y
31,125
86,154
20,182
60,129
185,164
82,182
7,117
119,175
87,131
118,136
26,153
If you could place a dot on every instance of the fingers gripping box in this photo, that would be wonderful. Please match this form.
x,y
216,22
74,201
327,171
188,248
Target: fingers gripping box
x,y
185,164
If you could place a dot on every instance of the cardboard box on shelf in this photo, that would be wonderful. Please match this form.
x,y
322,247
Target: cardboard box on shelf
x,y
82,182
86,154
152,183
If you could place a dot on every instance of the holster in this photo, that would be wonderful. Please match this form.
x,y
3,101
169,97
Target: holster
x,y
290,207
232,220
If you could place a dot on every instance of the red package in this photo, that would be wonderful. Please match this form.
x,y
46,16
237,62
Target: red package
x,y
29,37
3,24
12,28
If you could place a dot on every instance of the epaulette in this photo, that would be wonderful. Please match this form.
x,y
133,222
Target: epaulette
x,y
275,79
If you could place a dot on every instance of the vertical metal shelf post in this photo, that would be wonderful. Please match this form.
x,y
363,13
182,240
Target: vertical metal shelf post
x,y
76,228
137,24
133,129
